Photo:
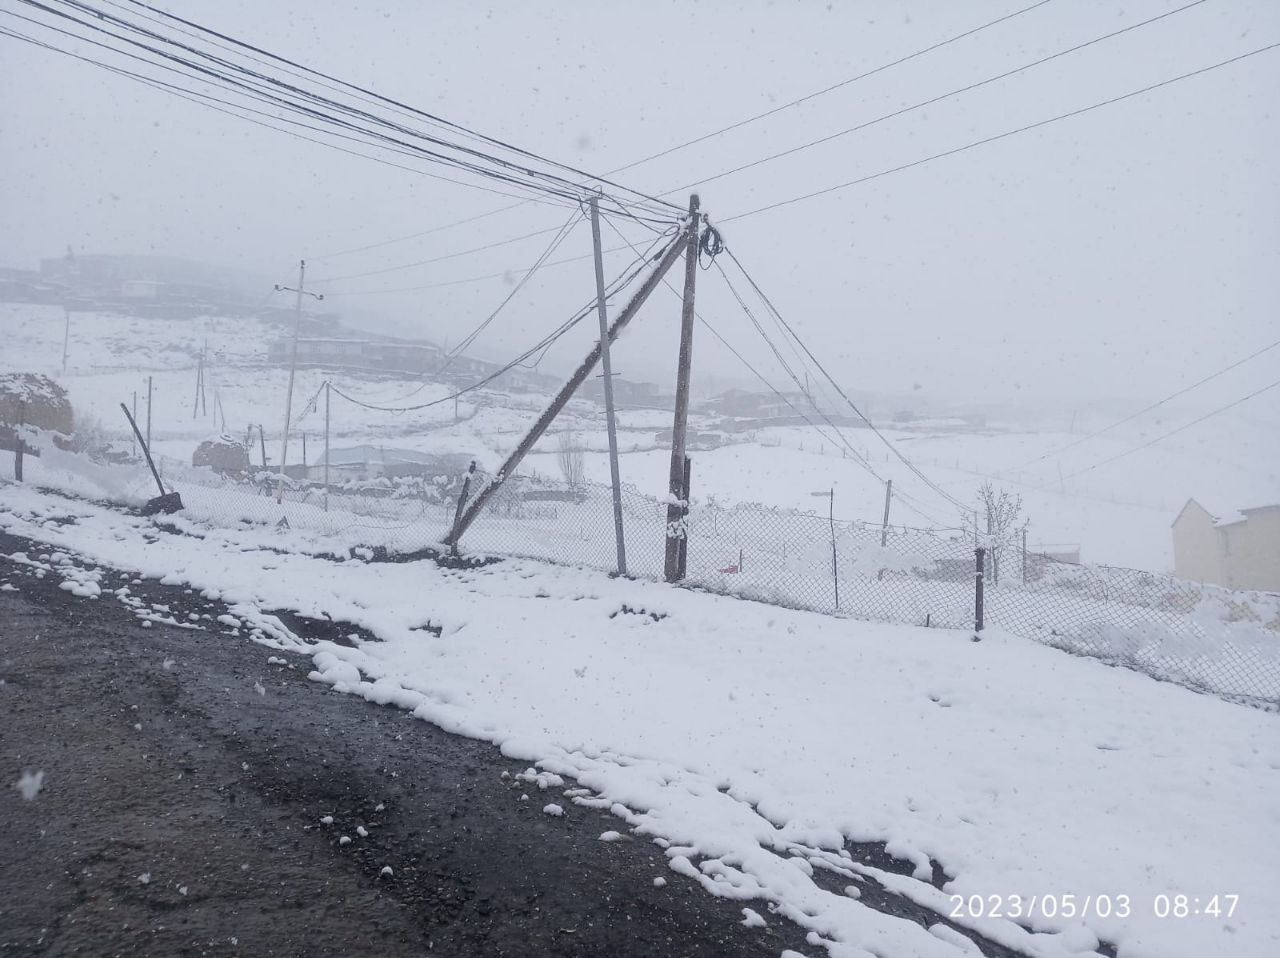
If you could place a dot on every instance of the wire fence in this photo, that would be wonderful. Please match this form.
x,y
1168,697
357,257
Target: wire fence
x,y
1215,640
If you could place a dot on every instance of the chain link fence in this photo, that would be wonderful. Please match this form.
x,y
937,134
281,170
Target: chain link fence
x,y
1204,637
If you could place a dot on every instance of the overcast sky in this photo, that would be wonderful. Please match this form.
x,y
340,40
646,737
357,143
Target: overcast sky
x,y
1125,252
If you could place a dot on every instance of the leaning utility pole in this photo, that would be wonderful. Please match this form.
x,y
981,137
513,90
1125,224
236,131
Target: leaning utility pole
x,y
608,389
884,526
464,519
678,501
293,367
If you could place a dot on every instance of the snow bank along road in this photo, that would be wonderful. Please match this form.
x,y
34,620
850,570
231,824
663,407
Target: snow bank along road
x,y
766,752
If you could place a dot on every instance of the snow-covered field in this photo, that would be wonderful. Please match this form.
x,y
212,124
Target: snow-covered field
x,y
753,743
1119,515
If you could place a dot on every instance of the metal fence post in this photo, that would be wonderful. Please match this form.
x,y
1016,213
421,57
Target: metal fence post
x,y
980,555
682,557
835,570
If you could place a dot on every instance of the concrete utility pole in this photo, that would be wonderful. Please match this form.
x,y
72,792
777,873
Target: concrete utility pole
x,y
467,516
301,291
679,427
884,526
608,389
326,446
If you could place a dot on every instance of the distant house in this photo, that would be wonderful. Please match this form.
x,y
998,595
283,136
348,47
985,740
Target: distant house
x,y
744,404
371,462
627,394
362,354
1238,550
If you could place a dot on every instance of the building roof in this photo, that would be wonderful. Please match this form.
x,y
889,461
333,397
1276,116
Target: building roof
x,y
1224,517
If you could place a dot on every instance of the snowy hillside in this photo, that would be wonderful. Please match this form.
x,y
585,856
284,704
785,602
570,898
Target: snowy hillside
x,y
1117,515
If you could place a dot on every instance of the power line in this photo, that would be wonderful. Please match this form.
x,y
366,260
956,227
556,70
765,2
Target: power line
x,y
445,256
1146,409
1004,135
715,133
471,337
836,386
619,284
253,88
835,86
229,108
936,99
403,106
255,84
1173,432
858,457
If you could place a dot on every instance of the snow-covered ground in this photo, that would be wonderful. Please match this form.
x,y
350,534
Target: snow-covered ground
x,y
753,743
1117,515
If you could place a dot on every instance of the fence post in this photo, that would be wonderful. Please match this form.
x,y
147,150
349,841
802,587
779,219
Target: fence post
x,y
682,558
835,570
1024,555
980,555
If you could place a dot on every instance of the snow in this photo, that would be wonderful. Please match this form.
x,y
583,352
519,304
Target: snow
x,y
758,742
29,784
326,820
611,836
752,919
553,810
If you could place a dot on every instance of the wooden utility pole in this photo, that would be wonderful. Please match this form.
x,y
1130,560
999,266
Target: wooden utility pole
x,y
678,503
607,368
468,515
300,291
66,337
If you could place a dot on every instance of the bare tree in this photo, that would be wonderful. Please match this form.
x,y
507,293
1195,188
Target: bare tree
x,y
999,522
571,459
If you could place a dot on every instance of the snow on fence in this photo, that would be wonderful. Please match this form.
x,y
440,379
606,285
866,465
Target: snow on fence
x,y
1211,639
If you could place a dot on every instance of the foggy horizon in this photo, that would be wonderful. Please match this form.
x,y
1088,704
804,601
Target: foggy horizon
x,y
1138,240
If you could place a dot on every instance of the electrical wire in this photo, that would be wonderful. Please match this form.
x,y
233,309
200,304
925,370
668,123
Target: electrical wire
x,y
936,99
859,457
253,83
619,284
836,386
707,136
835,86
391,102
1000,136
238,111
1146,409
1174,432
